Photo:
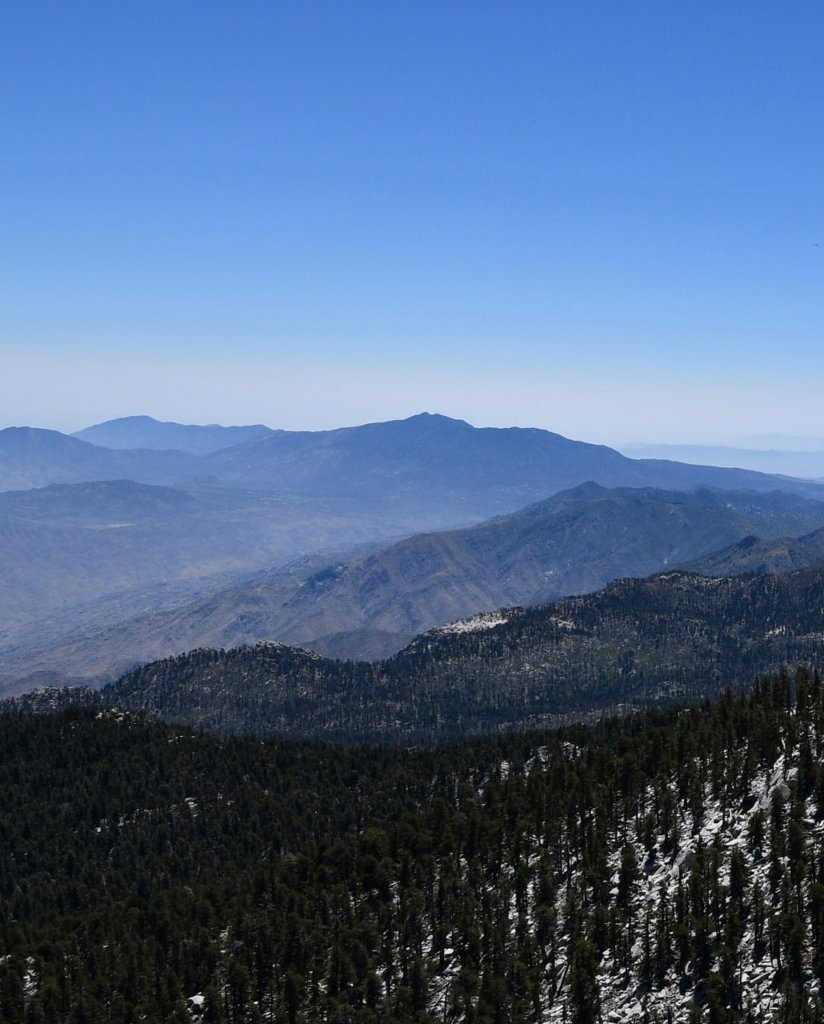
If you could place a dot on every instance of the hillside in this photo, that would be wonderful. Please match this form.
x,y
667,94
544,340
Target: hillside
x,y
31,457
664,868
572,543
371,606
762,555
671,637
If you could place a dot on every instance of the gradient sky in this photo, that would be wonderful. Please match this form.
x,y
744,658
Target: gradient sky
x,y
602,218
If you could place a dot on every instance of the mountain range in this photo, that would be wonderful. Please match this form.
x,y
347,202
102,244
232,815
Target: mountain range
x,y
343,540
146,432
372,605
418,464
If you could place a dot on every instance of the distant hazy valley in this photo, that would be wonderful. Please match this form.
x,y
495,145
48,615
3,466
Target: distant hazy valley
x,y
805,459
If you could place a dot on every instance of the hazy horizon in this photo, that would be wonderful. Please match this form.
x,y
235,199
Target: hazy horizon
x,y
602,221
679,450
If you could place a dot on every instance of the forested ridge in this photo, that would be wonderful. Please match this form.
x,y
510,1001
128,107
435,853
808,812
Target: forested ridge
x,y
636,643
663,867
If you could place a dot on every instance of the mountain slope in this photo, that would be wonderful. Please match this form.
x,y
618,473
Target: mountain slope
x,y
287,495
572,543
636,642
762,555
31,457
373,605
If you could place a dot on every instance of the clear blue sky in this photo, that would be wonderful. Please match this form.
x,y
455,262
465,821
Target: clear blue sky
x,y
602,218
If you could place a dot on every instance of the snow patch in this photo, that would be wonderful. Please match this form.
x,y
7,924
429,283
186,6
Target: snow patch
x,y
475,623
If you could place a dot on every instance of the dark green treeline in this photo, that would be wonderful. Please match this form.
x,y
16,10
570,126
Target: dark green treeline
x,y
495,881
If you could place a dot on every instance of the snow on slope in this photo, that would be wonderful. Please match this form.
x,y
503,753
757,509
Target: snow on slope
x,y
473,624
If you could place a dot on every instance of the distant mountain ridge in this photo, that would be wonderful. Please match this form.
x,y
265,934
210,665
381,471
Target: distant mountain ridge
x,y
149,433
415,463
432,458
31,457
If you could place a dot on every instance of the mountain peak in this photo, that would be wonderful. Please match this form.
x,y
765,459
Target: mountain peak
x,y
148,433
435,417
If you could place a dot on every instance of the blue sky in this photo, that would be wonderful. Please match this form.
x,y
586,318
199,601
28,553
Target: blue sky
x,y
602,218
